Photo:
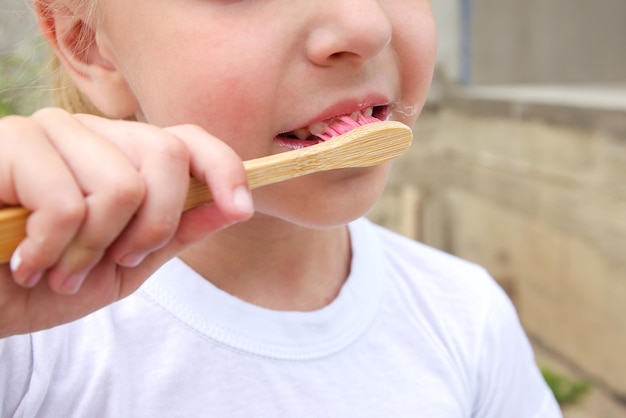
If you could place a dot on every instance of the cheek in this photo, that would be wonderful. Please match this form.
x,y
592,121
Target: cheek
x,y
184,82
417,31
221,104
416,47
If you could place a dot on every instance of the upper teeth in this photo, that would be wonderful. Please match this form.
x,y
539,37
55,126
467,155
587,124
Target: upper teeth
x,y
318,128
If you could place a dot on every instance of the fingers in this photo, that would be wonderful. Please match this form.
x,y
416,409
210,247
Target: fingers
x,y
44,185
166,174
221,168
111,191
213,162
165,170
182,150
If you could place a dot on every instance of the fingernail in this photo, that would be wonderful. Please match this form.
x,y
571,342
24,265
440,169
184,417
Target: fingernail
x,y
72,284
16,260
26,278
132,259
242,200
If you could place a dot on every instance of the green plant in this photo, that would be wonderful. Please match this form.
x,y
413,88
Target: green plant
x,y
567,391
6,108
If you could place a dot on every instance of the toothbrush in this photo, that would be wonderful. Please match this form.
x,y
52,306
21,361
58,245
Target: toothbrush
x,y
364,146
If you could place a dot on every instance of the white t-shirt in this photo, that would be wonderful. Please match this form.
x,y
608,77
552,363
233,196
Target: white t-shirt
x,y
414,332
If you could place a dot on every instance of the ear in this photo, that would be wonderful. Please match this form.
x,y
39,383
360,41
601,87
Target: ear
x,y
77,46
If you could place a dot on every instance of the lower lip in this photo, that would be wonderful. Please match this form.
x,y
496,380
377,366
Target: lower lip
x,y
293,144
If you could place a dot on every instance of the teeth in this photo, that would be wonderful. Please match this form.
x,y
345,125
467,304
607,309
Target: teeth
x,y
323,128
302,133
318,128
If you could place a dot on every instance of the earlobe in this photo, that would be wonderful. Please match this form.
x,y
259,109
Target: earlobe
x,y
76,45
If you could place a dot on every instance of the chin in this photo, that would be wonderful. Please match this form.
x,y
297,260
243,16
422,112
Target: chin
x,y
324,200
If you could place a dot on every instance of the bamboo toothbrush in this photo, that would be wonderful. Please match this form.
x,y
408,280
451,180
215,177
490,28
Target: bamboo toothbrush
x,y
365,146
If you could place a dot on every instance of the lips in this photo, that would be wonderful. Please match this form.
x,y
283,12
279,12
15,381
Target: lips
x,y
330,128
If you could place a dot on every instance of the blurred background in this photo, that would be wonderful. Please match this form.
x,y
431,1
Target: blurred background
x,y
22,60
518,164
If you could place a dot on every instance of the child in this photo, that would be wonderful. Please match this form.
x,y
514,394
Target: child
x,y
290,306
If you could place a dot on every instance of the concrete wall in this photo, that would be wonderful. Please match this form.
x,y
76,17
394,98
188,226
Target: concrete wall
x,y
447,15
553,41
541,205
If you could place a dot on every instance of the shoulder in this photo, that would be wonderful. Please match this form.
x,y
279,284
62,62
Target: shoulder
x,y
453,302
456,308
412,264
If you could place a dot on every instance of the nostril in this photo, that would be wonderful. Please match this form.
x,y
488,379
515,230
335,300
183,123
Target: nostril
x,y
337,55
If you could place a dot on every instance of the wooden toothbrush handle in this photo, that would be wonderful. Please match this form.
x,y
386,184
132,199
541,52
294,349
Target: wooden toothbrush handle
x,y
12,230
13,219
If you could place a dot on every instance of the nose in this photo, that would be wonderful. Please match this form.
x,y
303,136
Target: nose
x,y
348,30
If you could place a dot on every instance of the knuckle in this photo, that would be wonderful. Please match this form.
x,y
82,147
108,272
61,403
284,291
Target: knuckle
x,y
70,211
157,231
12,126
192,129
13,120
171,147
127,191
48,113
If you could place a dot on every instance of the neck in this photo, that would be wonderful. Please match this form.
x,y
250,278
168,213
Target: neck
x,y
274,264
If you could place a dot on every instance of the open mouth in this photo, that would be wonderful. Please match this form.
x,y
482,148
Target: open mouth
x,y
330,128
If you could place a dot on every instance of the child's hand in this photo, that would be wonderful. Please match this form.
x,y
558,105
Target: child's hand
x,y
106,200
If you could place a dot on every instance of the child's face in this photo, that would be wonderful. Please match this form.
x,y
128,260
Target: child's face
x,y
250,70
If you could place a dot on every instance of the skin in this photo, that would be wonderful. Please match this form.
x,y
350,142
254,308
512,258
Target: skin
x,y
191,72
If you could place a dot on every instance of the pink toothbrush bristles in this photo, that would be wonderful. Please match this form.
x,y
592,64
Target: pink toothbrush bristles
x,y
343,124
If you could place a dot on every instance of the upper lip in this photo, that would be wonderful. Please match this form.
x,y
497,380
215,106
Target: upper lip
x,y
345,107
